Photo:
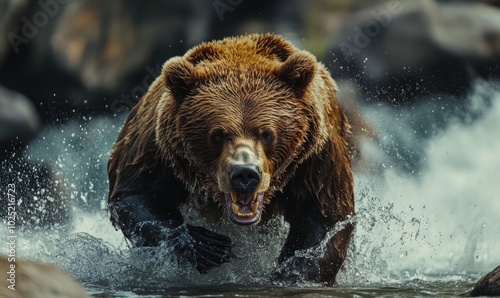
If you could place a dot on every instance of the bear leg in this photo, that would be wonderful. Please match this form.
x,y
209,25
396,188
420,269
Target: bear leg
x,y
136,218
310,252
292,266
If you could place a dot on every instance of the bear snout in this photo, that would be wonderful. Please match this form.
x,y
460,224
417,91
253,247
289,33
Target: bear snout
x,y
244,178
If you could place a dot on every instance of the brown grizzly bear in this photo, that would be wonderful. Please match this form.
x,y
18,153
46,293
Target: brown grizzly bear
x,y
253,123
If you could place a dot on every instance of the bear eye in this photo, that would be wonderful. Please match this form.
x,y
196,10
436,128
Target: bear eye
x,y
266,136
217,137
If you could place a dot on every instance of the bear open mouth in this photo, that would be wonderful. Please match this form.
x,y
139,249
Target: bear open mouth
x,y
244,209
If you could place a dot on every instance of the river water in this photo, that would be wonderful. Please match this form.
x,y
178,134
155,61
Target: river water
x,y
427,222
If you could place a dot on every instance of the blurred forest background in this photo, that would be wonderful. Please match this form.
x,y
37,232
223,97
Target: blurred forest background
x,y
62,60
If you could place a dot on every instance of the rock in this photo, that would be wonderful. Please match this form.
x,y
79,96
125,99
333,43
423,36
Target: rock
x,y
488,285
99,43
10,14
29,279
86,54
105,43
19,121
402,51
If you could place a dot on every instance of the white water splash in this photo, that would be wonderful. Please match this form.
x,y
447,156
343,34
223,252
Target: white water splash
x,y
443,221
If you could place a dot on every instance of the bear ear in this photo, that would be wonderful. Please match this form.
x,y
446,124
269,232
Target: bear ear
x,y
180,77
298,71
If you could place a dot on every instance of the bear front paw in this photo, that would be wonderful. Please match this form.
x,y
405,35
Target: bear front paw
x,y
210,249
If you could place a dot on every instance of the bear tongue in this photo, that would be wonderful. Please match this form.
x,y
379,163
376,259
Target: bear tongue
x,y
243,199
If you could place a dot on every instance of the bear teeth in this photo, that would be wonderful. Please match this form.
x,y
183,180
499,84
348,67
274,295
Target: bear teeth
x,y
255,206
234,198
236,210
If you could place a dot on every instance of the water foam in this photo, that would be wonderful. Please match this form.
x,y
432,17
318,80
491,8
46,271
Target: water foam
x,y
443,220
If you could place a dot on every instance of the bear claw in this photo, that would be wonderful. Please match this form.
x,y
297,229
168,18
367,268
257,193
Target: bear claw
x,y
210,249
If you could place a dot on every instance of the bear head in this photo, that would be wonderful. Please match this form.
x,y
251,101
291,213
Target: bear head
x,y
235,119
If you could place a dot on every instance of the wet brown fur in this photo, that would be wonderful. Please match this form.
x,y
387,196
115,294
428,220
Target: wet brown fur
x,y
237,86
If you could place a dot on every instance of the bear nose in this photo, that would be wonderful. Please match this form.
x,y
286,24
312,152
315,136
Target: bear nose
x,y
244,178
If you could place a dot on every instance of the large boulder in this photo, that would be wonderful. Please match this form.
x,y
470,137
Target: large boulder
x,y
19,121
10,15
104,42
488,285
27,279
79,57
401,51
